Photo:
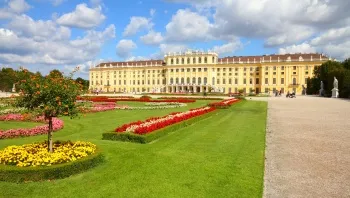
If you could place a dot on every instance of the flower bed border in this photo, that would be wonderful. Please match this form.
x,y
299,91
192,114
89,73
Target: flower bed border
x,y
23,174
149,137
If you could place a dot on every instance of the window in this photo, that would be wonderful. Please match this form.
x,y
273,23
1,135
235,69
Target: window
x,y
250,81
171,81
138,82
224,81
230,74
257,81
193,80
213,60
244,81
177,70
218,74
245,69
133,82
182,81
213,81
176,81
218,81
224,69
188,69
282,73
92,82
229,69
294,81
199,80
266,90
194,60
282,81
172,61
218,70
172,70
205,81
199,69
274,68
188,80
194,69
274,81
120,82
182,61
205,60
199,60
230,81
236,69
294,73
236,81
267,68
257,69
205,69
294,67
274,73
236,74
306,67
115,82
177,61
266,81
124,82
266,73
307,73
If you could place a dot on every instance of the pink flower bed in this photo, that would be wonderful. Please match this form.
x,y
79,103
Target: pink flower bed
x,y
152,124
106,106
38,130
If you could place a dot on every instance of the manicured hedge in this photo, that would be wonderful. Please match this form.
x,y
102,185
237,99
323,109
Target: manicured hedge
x,y
24,174
143,139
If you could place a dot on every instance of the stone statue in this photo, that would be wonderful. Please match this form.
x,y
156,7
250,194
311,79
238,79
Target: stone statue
x,y
13,88
321,90
335,83
335,90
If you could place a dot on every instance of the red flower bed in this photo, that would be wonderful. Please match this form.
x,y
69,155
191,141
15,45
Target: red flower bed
x,y
223,104
190,98
144,99
155,123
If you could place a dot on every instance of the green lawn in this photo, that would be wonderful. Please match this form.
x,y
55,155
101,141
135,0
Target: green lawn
x,y
16,125
222,156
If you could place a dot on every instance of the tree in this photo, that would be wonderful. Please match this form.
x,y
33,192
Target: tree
x,y
51,96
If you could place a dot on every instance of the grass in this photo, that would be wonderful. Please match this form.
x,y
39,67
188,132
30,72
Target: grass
x,y
4,125
222,156
131,104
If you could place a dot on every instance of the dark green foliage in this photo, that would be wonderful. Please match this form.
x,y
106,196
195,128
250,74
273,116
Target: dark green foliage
x,y
24,174
143,139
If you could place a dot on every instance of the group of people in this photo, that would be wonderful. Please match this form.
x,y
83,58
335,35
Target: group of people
x,y
278,93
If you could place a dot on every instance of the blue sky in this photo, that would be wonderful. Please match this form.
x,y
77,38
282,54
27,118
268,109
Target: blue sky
x,y
46,34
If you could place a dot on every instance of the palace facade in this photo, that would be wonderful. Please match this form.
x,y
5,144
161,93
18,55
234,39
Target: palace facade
x,y
194,71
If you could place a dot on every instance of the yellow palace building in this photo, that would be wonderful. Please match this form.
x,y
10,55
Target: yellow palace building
x,y
195,72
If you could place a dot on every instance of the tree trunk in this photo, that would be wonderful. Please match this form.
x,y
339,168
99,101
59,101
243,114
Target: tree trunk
x,y
49,136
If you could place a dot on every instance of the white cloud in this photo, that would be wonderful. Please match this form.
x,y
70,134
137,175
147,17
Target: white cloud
x,y
82,17
152,38
124,48
13,8
38,30
168,48
302,48
152,12
228,47
332,36
136,24
186,25
57,2
137,58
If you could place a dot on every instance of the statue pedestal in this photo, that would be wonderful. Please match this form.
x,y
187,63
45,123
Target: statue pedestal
x,y
335,93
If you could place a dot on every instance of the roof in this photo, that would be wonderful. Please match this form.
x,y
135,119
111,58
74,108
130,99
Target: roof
x,y
273,58
132,63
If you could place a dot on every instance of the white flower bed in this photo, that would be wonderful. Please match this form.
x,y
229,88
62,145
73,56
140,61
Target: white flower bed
x,y
152,107
3,105
12,110
162,103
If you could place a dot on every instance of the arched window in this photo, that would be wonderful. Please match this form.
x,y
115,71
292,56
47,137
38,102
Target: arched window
x,y
199,60
188,80
213,60
188,60
194,61
177,81
213,81
205,81
182,80
224,81
182,61
177,61
193,80
171,81
230,81
205,60
172,61
294,81
199,80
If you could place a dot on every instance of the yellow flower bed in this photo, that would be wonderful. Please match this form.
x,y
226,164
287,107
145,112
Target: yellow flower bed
x,y
37,155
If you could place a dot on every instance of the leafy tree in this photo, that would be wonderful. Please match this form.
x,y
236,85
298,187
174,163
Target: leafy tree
x,y
346,63
51,96
56,74
83,82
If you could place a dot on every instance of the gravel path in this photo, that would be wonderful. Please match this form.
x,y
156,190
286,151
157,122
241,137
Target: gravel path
x,y
308,147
